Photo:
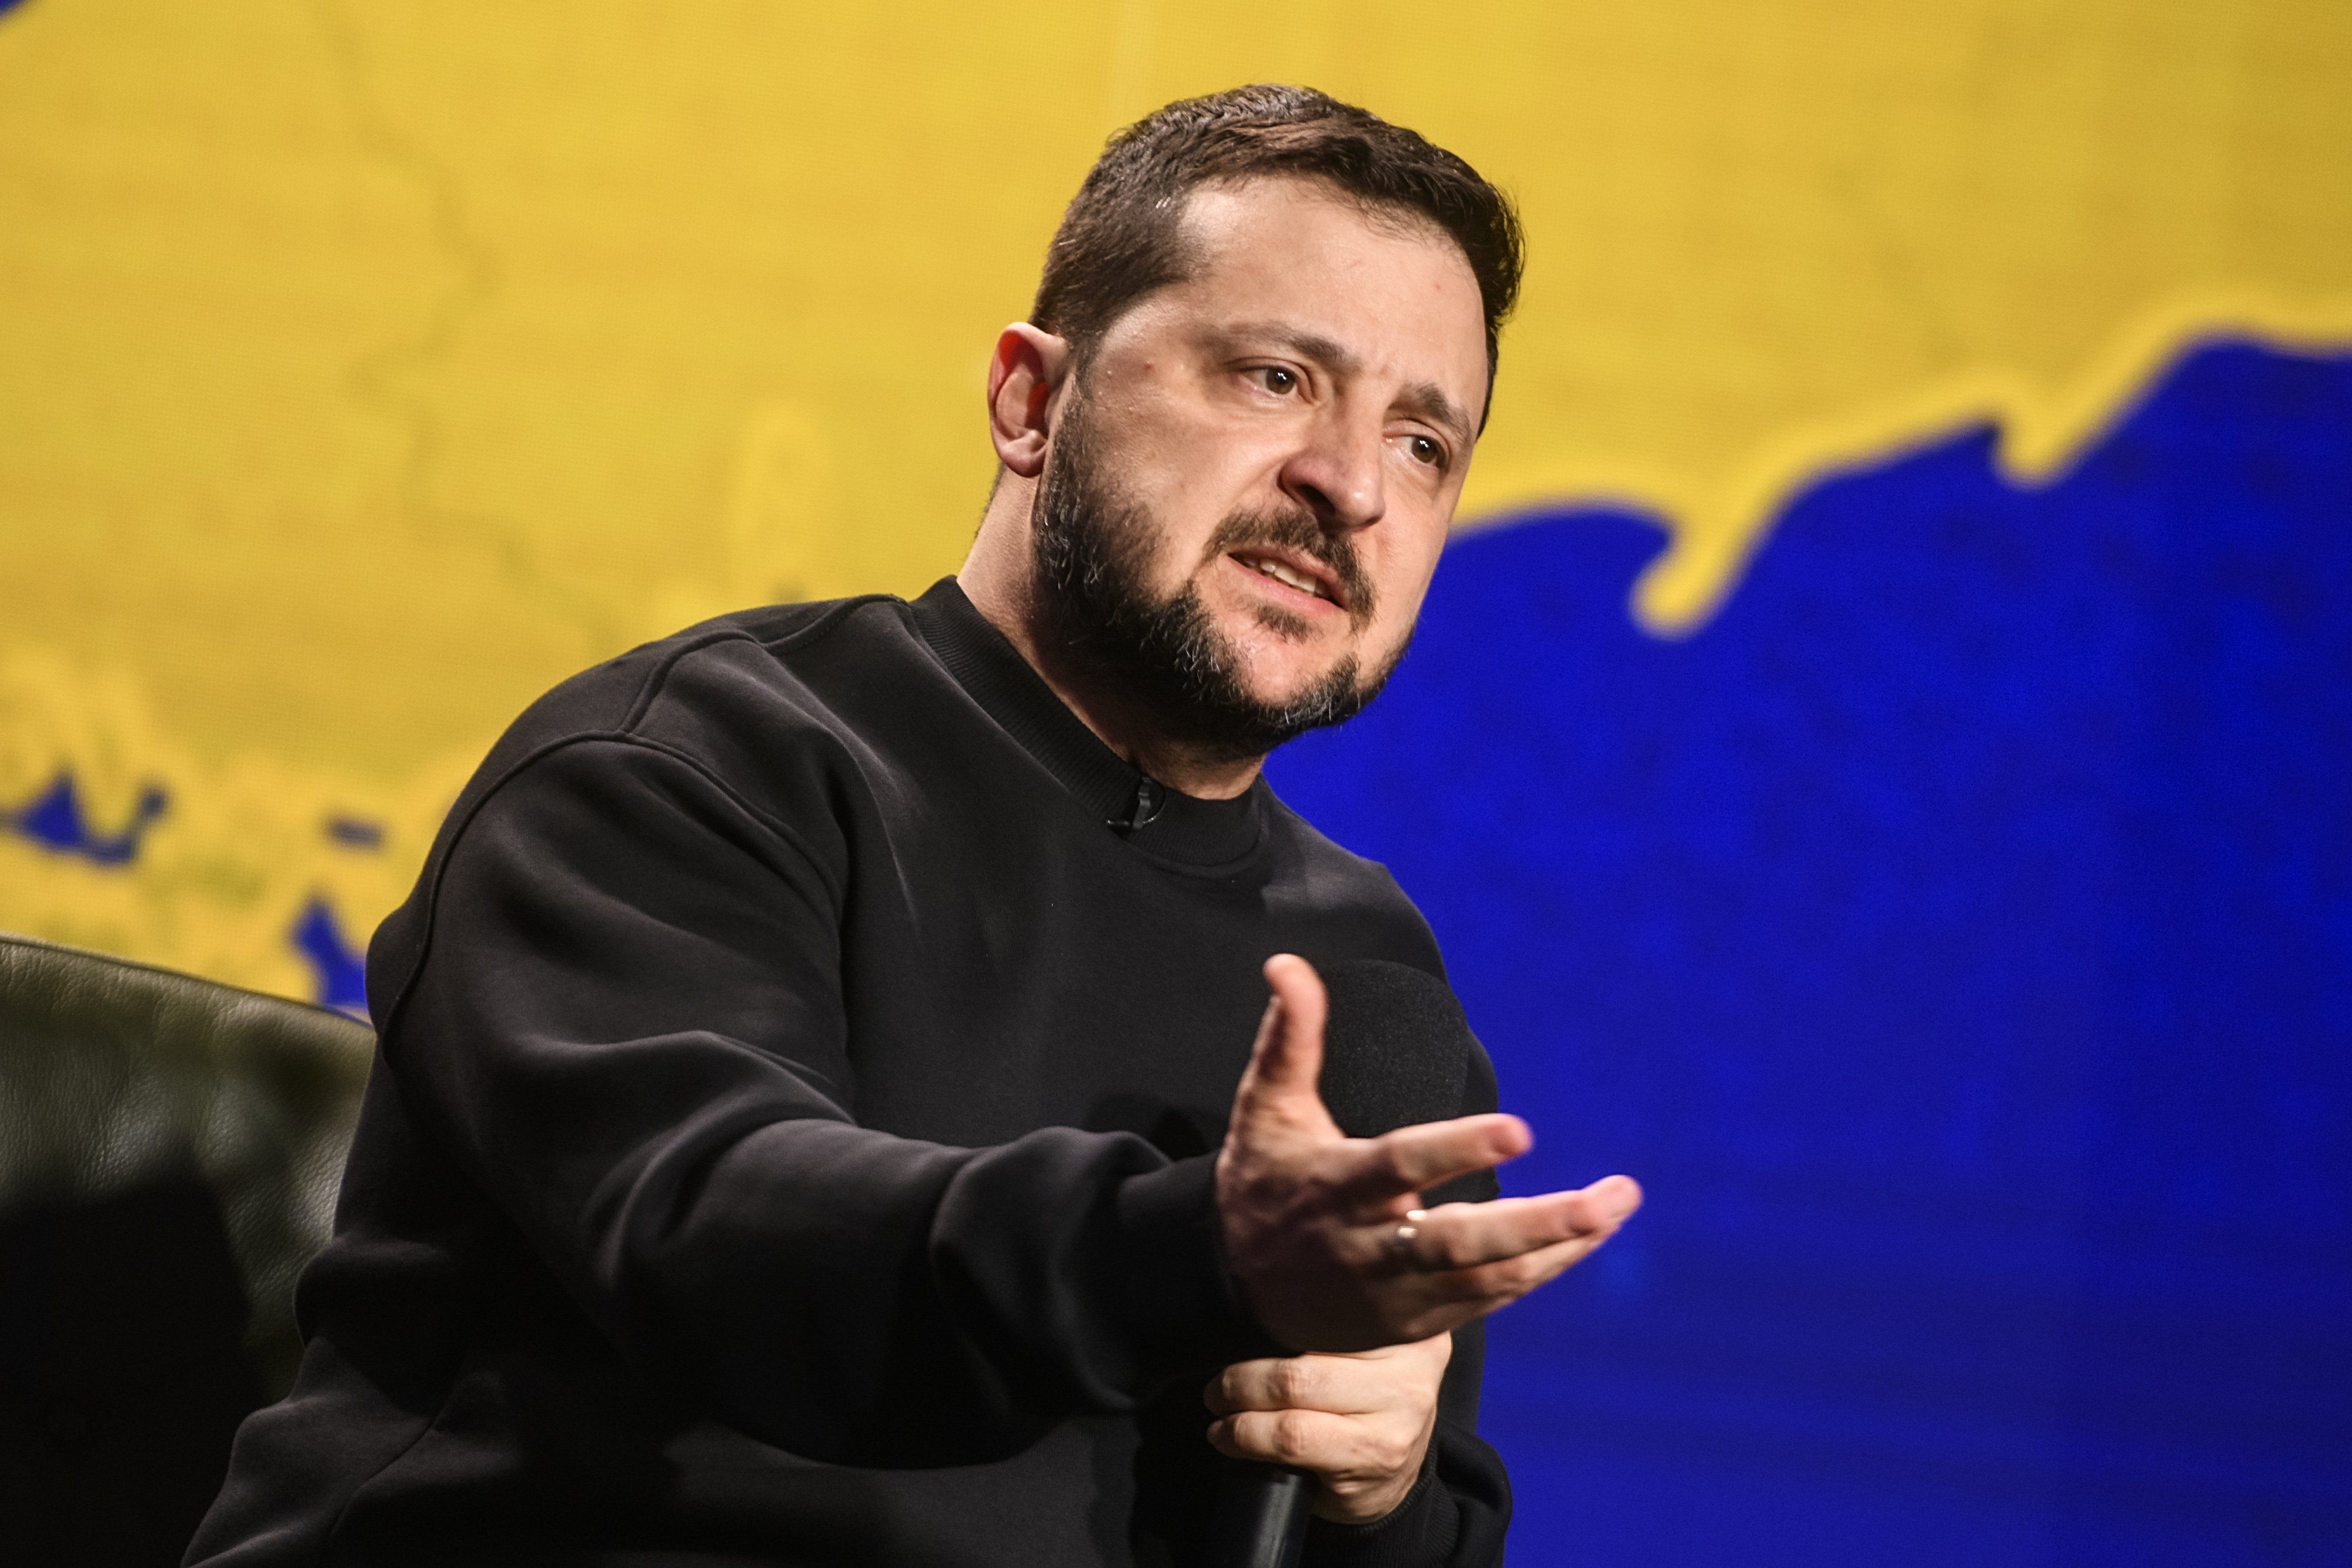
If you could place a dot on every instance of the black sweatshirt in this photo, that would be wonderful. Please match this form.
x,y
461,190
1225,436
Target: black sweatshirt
x,y
791,1138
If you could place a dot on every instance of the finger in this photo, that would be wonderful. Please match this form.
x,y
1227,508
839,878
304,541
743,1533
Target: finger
x,y
1489,1286
1414,1159
1464,1235
1287,1058
1341,1384
1273,1383
1306,1439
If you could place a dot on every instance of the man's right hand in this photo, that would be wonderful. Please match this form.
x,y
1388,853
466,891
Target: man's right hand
x,y
1324,1231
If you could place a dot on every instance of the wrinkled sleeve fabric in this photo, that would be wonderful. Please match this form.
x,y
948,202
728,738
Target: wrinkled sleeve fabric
x,y
623,1018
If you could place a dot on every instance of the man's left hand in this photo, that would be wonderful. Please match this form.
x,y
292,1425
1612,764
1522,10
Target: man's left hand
x,y
1359,1422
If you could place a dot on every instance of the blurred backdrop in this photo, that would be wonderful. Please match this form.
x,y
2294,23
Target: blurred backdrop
x,y
1877,756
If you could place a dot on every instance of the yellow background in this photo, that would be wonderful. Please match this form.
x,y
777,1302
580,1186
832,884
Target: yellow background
x,y
366,368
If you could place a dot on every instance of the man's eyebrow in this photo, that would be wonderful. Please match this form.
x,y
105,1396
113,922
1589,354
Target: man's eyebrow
x,y
1423,399
1427,400
1307,345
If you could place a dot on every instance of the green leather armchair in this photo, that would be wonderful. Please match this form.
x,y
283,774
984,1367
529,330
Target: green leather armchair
x,y
170,1150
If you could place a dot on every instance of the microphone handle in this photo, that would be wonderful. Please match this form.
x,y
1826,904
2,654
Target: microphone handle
x,y
1260,1517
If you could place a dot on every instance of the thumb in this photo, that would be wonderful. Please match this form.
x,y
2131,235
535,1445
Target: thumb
x,y
1288,1057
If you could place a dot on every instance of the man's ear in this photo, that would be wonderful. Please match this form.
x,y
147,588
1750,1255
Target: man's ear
x,y
1024,373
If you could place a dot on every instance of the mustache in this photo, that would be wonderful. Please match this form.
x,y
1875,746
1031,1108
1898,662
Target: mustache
x,y
1299,532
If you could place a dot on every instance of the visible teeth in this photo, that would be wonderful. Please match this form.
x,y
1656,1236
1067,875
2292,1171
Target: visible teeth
x,y
1281,573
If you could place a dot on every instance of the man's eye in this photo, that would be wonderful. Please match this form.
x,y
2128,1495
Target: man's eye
x,y
1277,380
1424,450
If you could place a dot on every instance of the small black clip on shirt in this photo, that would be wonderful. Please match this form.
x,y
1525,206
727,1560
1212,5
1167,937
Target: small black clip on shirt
x,y
1150,800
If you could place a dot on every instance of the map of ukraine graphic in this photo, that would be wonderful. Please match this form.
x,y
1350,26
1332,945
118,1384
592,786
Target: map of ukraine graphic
x,y
1909,831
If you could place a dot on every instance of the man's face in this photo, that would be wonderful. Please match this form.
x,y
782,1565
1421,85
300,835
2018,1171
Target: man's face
x,y
1249,484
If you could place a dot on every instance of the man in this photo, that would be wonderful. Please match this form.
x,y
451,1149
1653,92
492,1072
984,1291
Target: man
x,y
804,1059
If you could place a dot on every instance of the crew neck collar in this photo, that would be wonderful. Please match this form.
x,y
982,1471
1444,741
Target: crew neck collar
x,y
1159,821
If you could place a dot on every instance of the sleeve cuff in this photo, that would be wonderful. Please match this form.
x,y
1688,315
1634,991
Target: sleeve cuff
x,y
1185,1306
1417,1532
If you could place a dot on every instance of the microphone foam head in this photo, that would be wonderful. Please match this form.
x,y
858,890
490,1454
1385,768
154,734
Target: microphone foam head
x,y
1396,1050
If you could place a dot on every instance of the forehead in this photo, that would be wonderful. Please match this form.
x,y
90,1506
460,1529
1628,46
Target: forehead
x,y
1395,290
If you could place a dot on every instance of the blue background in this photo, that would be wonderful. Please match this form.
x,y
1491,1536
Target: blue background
x,y
1955,936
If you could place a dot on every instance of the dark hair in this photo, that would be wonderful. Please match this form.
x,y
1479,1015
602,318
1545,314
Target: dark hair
x,y
1120,239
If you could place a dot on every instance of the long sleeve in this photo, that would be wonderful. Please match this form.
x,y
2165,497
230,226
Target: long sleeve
x,y
792,1125
624,1020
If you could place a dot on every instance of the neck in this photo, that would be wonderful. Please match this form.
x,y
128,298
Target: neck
x,y
999,580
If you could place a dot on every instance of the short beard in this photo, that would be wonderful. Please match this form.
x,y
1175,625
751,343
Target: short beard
x,y
1093,549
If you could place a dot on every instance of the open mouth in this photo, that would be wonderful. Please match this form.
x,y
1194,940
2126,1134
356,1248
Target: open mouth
x,y
1291,574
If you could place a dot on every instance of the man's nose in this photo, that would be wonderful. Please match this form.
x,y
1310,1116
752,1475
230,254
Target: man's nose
x,y
1336,475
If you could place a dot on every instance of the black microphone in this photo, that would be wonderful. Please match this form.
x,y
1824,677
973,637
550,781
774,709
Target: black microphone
x,y
1396,1052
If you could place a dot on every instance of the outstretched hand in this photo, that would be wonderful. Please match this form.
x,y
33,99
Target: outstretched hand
x,y
1325,1231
